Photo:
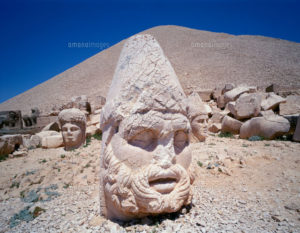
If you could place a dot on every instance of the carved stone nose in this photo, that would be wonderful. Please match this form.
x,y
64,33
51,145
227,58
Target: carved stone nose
x,y
165,164
165,156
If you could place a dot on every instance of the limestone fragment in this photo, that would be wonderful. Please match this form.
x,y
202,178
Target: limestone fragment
x,y
73,126
266,127
272,101
247,106
291,106
231,125
145,155
233,94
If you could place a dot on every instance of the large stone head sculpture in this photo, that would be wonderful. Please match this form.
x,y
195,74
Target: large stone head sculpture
x,y
73,125
145,153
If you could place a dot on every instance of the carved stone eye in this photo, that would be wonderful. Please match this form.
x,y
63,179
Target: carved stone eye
x,y
145,140
181,140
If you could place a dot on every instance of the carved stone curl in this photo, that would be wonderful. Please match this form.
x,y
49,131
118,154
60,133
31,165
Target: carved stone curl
x,y
145,155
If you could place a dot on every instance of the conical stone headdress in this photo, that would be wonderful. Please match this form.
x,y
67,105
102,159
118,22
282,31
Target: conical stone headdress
x,y
144,80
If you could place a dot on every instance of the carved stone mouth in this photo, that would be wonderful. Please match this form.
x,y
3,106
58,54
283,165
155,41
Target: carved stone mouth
x,y
163,185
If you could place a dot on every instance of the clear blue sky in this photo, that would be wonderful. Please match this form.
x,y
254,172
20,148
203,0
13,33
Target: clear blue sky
x,y
35,34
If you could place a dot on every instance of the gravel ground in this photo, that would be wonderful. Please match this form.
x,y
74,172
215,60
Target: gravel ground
x,y
240,186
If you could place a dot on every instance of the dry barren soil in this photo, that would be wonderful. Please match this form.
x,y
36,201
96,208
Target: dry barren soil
x,y
240,186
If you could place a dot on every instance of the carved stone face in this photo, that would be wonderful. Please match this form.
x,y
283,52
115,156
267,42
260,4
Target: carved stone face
x,y
148,159
153,138
145,154
198,123
73,125
72,135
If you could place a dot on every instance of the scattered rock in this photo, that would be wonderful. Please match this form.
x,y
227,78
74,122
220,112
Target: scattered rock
x,y
296,136
233,94
293,206
266,127
206,95
272,101
247,105
10,143
267,113
221,102
277,218
217,117
52,141
91,130
228,87
217,93
94,120
231,125
293,121
291,106
20,153
215,127
82,103
96,221
53,126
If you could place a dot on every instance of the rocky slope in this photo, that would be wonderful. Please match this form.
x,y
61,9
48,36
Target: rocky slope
x,y
200,58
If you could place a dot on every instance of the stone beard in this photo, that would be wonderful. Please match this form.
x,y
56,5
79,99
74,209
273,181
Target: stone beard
x,y
146,136
145,166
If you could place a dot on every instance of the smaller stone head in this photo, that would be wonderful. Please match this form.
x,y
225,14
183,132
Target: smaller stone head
x,y
73,125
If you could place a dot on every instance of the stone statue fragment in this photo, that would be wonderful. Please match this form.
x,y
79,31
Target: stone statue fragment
x,y
73,126
145,157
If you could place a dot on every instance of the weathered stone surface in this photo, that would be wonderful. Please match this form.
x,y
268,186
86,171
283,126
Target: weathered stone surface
x,y
296,136
231,107
231,125
97,103
47,133
145,155
199,126
54,126
94,120
293,121
43,121
73,126
196,105
215,127
252,89
247,105
217,117
198,115
272,101
10,120
82,103
9,143
91,130
267,127
267,113
205,94
271,88
228,87
20,153
291,106
233,94
217,92
208,109
31,120
52,141
35,141
221,102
